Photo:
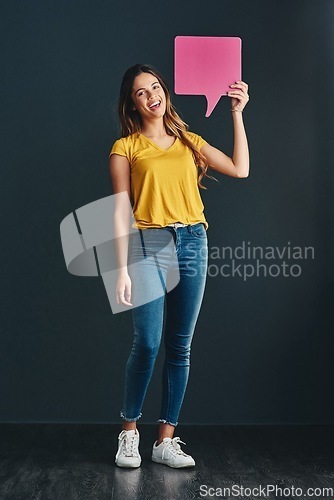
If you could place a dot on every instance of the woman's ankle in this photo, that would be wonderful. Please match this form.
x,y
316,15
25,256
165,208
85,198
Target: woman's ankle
x,y
165,430
129,426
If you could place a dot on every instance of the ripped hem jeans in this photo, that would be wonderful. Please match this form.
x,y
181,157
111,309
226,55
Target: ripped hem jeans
x,y
168,283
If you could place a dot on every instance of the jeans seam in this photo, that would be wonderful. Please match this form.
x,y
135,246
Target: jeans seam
x,y
169,389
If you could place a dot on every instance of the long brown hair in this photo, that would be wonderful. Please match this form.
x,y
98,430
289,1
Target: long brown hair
x,y
131,122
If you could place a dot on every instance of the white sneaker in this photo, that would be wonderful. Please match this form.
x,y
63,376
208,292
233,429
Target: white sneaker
x,y
128,454
169,453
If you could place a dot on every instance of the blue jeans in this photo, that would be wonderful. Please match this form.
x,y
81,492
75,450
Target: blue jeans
x,y
180,306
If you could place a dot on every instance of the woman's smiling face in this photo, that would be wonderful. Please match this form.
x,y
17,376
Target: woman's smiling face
x,y
148,96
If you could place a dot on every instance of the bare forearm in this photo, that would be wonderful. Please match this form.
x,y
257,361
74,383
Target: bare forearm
x,y
121,241
240,150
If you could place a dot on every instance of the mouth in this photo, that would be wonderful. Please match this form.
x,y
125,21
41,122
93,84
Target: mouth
x,y
155,105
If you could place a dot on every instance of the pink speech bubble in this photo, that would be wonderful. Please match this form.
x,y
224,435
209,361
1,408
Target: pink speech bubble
x,y
207,65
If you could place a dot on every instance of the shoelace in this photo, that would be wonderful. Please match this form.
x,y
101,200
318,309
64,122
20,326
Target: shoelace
x,y
174,447
128,443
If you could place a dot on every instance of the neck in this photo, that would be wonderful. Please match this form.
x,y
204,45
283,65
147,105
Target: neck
x,y
154,128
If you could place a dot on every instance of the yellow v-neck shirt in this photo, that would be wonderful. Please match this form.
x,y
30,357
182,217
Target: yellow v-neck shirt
x,y
164,185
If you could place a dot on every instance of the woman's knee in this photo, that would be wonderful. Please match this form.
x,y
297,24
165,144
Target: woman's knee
x,y
179,354
145,350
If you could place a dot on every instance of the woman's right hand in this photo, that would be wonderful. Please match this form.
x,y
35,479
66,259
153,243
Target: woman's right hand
x,y
123,289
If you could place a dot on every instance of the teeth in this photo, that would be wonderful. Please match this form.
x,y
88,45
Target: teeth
x,y
154,104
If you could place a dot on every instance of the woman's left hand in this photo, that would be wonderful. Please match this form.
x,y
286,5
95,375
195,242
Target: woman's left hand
x,y
239,95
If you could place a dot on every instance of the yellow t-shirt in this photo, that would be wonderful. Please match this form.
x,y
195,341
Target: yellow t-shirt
x,y
164,185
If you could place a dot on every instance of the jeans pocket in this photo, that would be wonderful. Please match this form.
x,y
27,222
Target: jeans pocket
x,y
154,241
198,230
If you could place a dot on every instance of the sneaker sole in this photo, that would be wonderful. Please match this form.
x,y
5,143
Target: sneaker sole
x,y
128,466
163,462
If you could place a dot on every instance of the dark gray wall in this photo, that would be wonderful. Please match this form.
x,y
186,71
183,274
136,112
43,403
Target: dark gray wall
x,y
263,348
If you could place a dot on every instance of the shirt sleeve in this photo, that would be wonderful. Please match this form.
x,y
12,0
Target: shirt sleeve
x,y
118,148
197,140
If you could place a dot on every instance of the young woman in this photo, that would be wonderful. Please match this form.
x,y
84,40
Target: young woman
x,y
162,265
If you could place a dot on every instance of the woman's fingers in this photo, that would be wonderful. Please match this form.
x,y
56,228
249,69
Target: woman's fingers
x,y
123,296
236,92
240,84
243,88
128,295
122,300
239,93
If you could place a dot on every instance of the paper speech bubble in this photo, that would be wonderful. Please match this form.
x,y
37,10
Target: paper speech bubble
x,y
206,65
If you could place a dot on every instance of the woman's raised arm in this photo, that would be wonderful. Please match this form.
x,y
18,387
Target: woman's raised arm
x,y
238,165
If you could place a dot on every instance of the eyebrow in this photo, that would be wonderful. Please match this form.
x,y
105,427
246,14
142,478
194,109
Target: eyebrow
x,y
142,88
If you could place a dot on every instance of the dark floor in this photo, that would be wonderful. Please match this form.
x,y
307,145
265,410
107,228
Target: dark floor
x,y
72,461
